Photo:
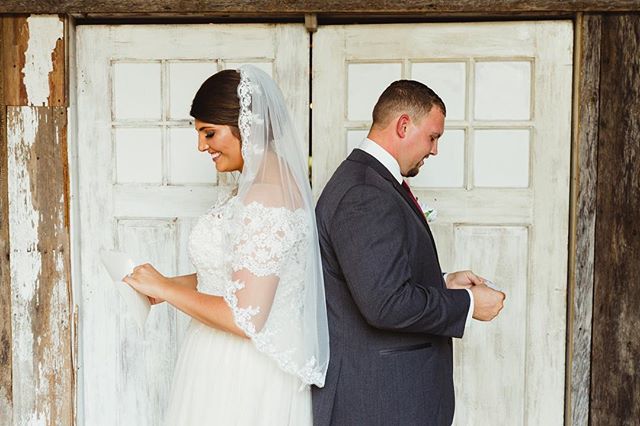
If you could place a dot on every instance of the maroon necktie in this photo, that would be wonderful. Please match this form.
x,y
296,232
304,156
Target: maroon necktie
x,y
415,200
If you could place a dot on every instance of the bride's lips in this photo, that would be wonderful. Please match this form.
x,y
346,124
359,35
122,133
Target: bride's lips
x,y
215,156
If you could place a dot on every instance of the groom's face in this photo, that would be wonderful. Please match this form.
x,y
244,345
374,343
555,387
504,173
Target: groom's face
x,y
421,141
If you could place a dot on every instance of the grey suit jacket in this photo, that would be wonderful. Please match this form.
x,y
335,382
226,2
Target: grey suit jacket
x,y
391,317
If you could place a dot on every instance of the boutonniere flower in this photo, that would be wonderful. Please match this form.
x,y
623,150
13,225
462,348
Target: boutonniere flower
x,y
430,213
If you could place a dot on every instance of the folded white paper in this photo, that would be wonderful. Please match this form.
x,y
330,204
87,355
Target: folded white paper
x,y
119,264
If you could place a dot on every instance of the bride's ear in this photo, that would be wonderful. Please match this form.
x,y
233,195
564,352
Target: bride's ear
x,y
401,125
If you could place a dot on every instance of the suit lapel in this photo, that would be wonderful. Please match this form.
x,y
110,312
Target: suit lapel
x,y
360,156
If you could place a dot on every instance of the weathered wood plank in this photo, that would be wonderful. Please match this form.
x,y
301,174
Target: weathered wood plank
x,y
15,35
6,389
39,237
43,71
615,382
584,216
34,61
270,7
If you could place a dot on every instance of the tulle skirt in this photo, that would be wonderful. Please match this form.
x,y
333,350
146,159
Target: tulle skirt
x,y
222,379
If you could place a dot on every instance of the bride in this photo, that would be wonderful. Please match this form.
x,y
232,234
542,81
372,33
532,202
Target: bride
x,y
258,335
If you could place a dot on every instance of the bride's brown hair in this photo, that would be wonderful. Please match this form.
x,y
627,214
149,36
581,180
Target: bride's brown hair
x,y
216,101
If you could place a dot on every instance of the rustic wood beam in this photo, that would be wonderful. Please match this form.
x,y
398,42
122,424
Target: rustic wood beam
x,y
586,114
36,370
15,34
39,237
6,380
15,53
615,382
276,7
6,388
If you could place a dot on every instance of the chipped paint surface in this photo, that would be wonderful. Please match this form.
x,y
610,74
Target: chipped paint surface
x,y
25,258
5,407
44,32
41,360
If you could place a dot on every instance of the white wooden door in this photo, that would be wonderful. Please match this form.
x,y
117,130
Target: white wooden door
x,y
141,183
500,184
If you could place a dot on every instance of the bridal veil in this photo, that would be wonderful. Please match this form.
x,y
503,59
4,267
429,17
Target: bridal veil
x,y
276,288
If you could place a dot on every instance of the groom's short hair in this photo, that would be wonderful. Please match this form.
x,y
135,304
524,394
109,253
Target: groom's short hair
x,y
405,96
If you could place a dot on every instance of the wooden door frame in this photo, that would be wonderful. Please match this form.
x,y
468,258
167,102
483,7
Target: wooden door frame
x,y
273,8
585,115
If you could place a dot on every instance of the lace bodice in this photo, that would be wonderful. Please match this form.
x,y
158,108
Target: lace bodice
x,y
241,251
206,248
262,239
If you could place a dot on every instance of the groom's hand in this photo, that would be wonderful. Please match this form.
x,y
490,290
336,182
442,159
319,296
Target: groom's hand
x,y
462,279
487,302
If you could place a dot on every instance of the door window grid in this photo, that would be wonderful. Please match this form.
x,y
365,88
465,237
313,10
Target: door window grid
x,y
468,173
166,86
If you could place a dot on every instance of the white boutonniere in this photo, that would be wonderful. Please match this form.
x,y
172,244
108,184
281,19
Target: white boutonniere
x,y
430,213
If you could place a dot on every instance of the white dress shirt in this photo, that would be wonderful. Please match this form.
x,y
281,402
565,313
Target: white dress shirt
x,y
391,164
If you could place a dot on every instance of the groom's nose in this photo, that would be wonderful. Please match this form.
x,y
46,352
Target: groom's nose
x,y
434,148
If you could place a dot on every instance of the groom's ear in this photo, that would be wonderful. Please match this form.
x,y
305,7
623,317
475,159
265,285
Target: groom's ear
x,y
401,125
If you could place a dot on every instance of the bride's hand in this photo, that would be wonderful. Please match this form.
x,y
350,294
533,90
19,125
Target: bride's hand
x,y
147,280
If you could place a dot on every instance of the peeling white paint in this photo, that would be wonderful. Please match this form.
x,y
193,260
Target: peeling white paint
x,y
23,217
25,258
44,32
36,358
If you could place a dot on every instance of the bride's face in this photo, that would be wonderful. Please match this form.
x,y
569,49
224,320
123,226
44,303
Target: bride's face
x,y
222,144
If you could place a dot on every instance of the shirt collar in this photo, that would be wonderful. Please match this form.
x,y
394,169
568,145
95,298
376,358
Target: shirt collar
x,y
380,154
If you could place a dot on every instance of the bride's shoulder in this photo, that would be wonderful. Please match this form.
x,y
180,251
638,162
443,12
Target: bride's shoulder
x,y
272,196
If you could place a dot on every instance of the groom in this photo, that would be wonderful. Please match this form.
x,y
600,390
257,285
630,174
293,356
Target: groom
x,y
391,313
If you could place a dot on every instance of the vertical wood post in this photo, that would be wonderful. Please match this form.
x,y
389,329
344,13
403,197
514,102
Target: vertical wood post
x,y
587,85
6,388
37,379
615,382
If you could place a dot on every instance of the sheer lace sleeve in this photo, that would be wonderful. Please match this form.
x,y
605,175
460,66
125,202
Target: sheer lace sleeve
x,y
264,247
273,271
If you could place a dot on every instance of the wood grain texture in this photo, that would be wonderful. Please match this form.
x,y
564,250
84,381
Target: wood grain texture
x,y
615,382
15,36
15,45
269,7
6,379
6,388
17,53
39,237
36,373
584,216
58,76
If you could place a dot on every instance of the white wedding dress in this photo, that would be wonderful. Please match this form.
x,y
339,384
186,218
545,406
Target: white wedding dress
x,y
223,379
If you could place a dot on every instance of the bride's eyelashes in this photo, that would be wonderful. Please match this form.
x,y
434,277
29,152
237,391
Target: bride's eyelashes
x,y
209,135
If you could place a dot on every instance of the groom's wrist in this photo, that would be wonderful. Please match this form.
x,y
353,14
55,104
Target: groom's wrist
x,y
444,277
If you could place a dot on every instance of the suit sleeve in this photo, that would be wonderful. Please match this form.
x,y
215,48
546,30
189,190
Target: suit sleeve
x,y
368,233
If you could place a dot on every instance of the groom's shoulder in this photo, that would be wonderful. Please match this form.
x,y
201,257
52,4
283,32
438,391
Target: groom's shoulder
x,y
358,169
352,172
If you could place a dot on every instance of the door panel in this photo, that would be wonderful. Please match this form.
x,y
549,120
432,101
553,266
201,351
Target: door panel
x,y
500,184
142,183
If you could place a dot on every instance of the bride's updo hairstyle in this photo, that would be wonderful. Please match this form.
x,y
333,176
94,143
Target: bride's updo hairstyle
x,y
216,101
